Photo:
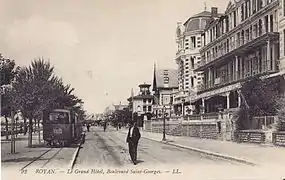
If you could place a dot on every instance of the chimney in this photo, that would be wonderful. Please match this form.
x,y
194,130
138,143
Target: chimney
x,y
214,11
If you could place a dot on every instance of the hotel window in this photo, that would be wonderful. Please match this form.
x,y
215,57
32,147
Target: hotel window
x,y
246,10
193,42
144,100
235,18
249,8
149,108
253,6
271,23
255,30
238,39
227,45
192,63
192,81
250,33
242,37
247,35
242,12
149,100
144,108
260,27
266,23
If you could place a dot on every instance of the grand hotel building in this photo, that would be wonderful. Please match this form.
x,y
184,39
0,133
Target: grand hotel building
x,y
242,43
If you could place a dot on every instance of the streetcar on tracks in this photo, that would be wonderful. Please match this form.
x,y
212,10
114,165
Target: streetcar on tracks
x,y
62,127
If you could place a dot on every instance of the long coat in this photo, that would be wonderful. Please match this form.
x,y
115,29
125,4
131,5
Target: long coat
x,y
135,136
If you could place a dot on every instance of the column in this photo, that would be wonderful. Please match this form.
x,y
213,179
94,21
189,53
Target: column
x,y
203,105
209,78
274,46
228,100
268,59
240,68
268,22
239,100
236,68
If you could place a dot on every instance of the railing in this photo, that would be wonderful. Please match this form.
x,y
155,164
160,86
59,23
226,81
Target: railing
x,y
263,122
200,117
231,47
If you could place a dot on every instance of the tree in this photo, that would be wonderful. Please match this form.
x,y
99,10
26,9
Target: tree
x,y
259,98
31,91
8,72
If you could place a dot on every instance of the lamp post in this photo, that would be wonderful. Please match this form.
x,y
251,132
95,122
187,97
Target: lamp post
x,y
163,139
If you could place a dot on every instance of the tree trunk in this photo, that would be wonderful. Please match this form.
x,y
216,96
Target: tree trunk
x,y
25,126
7,129
30,140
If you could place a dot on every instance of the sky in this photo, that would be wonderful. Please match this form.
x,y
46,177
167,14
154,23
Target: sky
x,y
103,48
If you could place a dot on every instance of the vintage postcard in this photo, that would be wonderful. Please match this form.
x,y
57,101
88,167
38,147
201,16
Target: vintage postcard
x,y
154,89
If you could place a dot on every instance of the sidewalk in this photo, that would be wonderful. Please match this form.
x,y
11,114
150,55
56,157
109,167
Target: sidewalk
x,y
23,154
246,153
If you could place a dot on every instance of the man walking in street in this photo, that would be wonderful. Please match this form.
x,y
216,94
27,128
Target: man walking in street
x,y
105,125
133,140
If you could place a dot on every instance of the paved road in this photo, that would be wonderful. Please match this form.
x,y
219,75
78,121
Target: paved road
x,y
109,149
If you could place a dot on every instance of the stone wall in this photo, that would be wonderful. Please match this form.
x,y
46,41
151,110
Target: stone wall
x,y
191,129
201,130
278,138
250,136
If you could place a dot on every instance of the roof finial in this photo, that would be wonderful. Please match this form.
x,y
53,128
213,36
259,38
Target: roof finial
x,y
205,6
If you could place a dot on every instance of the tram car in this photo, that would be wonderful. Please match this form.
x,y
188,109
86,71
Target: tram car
x,y
61,127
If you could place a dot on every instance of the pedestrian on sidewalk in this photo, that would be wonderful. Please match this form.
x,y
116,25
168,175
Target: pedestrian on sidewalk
x,y
88,127
133,140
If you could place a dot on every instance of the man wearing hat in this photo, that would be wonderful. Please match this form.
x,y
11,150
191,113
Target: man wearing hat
x,y
133,140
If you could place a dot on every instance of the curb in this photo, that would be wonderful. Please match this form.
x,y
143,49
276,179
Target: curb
x,y
75,155
232,158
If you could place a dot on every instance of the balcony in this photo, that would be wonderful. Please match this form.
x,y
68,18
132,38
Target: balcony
x,y
179,54
241,47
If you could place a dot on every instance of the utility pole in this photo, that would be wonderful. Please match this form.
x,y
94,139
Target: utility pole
x,y
13,144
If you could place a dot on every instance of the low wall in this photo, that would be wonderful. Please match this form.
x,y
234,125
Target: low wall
x,y
200,129
278,138
189,128
250,136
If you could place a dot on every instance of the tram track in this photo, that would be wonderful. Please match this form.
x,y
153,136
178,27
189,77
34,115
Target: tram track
x,y
42,158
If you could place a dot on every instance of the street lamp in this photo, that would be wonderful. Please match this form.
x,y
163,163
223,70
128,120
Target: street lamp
x,y
163,139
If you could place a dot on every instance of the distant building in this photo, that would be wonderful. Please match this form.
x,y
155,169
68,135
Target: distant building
x,y
120,106
141,104
165,84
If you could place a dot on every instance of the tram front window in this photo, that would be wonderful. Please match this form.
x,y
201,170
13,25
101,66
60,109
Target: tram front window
x,y
59,118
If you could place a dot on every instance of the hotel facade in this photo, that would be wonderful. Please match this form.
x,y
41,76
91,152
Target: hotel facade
x,y
242,43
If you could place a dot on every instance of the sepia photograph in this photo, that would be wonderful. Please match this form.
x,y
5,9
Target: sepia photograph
x,y
154,89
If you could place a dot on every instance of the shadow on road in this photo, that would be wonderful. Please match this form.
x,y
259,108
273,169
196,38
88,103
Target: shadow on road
x,y
139,161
